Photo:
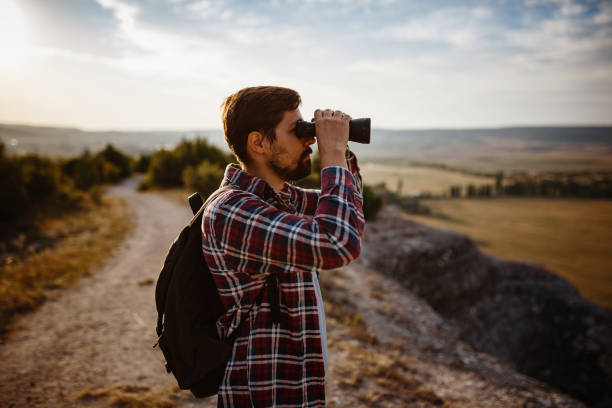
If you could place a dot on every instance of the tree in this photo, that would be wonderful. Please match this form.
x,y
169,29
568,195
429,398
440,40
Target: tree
x,y
455,191
471,190
499,182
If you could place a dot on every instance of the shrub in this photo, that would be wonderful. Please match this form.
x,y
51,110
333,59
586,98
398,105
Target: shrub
x,y
95,193
372,203
204,178
193,152
121,161
142,164
30,180
85,172
110,172
40,177
13,196
165,169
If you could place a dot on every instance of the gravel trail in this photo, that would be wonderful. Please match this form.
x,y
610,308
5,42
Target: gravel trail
x,y
98,335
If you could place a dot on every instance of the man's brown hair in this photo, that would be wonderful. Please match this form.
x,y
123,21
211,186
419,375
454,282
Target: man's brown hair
x,y
258,108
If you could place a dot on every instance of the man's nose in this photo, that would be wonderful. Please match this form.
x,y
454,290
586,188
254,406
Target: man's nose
x,y
309,140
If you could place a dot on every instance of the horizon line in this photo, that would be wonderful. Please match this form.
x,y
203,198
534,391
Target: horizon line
x,y
392,129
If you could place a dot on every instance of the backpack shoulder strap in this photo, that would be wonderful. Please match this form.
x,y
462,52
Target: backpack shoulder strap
x,y
195,202
223,189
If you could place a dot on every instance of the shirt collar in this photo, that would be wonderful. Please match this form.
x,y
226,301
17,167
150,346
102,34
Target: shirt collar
x,y
253,184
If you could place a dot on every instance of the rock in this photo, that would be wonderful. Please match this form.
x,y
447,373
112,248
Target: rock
x,y
520,313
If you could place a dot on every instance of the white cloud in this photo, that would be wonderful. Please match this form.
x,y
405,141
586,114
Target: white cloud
x,y
460,27
453,66
604,16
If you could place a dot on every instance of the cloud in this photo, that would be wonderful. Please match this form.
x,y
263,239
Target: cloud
x,y
456,26
385,58
604,16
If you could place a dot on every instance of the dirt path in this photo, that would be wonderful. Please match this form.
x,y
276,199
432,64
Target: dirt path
x,y
92,346
100,334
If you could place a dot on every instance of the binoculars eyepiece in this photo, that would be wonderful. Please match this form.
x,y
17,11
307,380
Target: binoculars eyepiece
x,y
359,130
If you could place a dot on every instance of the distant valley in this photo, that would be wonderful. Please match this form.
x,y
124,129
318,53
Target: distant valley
x,y
510,149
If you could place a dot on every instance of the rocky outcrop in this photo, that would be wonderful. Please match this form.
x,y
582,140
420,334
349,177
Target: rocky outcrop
x,y
520,313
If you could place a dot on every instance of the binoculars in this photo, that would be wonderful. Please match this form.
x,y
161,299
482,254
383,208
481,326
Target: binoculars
x,y
359,130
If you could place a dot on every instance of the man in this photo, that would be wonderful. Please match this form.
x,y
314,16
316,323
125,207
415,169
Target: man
x,y
266,240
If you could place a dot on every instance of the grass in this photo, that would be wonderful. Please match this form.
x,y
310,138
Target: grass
x,y
81,240
134,396
508,159
378,375
408,179
571,237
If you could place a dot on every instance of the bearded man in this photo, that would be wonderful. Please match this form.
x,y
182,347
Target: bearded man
x,y
266,239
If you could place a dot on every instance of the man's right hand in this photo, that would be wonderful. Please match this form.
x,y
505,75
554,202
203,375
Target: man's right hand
x,y
332,129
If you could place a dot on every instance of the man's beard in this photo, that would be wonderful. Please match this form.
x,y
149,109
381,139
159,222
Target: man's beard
x,y
302,170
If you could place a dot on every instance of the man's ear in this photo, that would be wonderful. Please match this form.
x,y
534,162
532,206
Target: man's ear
x,y
257,143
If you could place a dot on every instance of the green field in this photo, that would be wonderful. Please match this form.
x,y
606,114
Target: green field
x,y
571,237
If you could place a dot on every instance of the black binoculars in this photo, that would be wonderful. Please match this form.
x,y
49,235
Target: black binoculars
x,y
359,130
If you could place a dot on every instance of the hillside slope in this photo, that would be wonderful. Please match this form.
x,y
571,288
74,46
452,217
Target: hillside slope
x,y
520,313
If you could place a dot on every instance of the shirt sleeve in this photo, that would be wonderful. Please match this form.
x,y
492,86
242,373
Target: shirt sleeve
x,y
253,232
306,200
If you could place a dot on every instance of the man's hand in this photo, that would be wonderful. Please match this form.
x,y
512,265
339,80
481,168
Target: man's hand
x,y
332,128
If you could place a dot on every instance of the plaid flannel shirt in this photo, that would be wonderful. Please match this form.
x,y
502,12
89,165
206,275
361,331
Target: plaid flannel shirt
x,y
253,232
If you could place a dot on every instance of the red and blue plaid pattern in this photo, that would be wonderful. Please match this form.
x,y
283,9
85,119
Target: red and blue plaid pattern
x,y
253,232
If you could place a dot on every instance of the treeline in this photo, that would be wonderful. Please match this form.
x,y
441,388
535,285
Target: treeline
x,y
446,167
585,184
195,164
30,180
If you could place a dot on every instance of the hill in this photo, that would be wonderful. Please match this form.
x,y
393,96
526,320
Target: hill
x,y
510,148
64,142
520,313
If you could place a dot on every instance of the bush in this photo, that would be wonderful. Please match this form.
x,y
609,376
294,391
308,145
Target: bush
x,y
372,203
40,177
166,167
142,164
193,152
120,161
107,166
28,181
204,179
85,172
25,181
96,193
13,195
110,172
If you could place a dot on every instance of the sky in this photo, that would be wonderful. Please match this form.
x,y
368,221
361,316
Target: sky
x,y
154,64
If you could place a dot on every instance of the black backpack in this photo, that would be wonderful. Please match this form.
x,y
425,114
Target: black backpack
x,y
188,307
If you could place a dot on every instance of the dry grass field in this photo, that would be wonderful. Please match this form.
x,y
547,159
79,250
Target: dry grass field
x,y
407,180
81,240
571,237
